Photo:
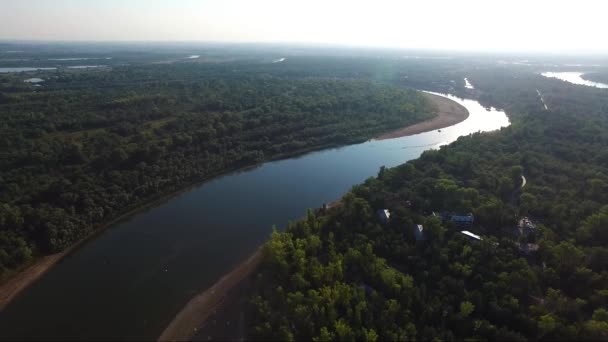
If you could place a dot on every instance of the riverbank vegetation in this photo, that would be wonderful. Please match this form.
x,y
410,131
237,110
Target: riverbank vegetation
x,y
87,146
341,274
600,77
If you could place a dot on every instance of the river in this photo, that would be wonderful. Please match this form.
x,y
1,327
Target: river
x,y
129,282
574,78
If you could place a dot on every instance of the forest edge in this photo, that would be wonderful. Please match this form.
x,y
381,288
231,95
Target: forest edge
x,y
201,307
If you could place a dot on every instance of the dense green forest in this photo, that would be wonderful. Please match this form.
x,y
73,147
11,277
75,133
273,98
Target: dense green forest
x,y
88,145
343,275
601,77
84,147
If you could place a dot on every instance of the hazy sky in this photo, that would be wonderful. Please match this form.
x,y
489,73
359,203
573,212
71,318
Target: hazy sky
x,y
541,25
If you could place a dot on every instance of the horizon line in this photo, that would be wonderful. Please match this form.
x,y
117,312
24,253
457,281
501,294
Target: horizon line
x,y
552,52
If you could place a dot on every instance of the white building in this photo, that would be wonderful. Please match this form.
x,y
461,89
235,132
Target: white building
x,y
471,236
384,215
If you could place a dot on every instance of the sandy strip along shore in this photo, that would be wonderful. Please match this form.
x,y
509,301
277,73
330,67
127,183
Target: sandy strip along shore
x,y
184,325
21,280
200,308
448,113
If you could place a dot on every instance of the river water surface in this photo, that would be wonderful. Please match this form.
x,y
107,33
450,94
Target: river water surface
x,y
574,78
129,282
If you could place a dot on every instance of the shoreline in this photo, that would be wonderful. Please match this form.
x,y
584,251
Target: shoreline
x,y
185,324
20,279
201,308
196,315
449,113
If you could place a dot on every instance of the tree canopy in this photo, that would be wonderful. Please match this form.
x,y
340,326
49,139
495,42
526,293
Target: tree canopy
x,y
342,274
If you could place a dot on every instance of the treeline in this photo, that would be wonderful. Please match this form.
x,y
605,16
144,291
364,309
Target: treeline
x,y
601,77
343,275
87,146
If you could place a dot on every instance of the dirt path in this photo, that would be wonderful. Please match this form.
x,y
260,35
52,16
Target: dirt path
x,y
184,325
448,113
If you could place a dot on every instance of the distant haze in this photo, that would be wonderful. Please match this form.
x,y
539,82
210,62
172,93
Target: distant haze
x,y
492,25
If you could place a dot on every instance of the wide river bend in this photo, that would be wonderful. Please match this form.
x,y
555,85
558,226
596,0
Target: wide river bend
x,y
129,282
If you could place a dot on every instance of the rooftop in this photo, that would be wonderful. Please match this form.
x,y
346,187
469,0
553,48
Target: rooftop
x,y
419,232
384,215
469,234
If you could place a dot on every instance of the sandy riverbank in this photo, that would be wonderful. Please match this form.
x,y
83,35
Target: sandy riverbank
x,y
22,279
218,312
448,113
184,326
14,284
193,320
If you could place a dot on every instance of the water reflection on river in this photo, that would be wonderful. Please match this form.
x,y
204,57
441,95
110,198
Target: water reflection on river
x,y
574,78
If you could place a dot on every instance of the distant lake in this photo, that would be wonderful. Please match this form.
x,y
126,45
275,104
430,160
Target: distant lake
x,y
7,70
129,282
34,80
574,78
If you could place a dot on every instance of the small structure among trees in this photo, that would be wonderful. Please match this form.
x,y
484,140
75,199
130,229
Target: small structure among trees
x,y
463,220
384,215
526,226
459,219
471,236
419,232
